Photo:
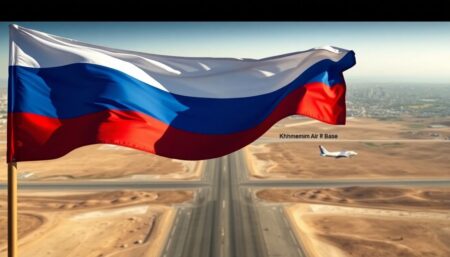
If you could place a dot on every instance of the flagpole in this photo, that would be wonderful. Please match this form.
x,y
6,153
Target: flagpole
x,y
12,209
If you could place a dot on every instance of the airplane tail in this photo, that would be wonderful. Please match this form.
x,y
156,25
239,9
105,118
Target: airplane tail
x,y
322,150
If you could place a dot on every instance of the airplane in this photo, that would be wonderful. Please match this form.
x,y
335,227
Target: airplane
x,y
340,154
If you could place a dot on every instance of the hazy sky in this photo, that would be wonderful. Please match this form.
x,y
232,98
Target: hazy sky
x,y
385,51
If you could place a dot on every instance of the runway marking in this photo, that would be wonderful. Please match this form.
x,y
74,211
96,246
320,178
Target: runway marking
x,y
285,221
299,251
276,140
168,244
223,204
292,235
302,123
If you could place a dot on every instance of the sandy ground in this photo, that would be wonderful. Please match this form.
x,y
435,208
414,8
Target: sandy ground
x,y
374,160
106,162
117,223
374,197
367,128
341,232
378,222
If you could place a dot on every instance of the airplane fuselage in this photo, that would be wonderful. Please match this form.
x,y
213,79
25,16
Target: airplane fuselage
x,y
339,154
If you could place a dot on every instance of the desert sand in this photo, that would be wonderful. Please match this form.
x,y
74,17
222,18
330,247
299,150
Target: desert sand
x,y
117,223
359,221
392,157
343,232
102,161
367,128
374,160
402,198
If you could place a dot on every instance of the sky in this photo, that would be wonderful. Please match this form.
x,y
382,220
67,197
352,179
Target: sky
x,y
400,52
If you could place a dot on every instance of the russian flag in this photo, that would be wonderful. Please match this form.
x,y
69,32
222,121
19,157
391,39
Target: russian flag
x,y
64,94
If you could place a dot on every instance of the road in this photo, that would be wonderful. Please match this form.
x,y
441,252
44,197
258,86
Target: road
x,y
225,218
265,140
228,221
224,222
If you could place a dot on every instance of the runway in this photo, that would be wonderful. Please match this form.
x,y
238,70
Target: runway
x,y
265,140
227,221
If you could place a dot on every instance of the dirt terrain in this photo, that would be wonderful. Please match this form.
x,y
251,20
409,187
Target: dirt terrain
x,y
105,162
368,221
373,197
403,148
374,160
367,128
72,224
335,231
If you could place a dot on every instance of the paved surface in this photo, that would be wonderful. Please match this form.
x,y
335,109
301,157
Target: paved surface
x,y
264,140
